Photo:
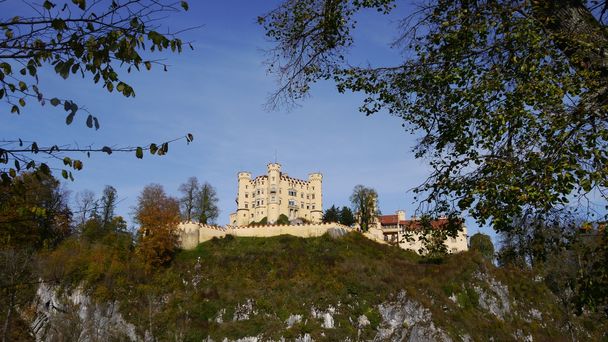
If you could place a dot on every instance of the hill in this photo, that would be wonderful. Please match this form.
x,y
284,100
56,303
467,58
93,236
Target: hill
x,y
258,289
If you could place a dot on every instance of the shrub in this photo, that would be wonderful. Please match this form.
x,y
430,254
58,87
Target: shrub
x,y
483,244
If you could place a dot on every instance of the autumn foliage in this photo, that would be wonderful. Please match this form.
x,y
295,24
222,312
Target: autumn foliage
x,y
158,216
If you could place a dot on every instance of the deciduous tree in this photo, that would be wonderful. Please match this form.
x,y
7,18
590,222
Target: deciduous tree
x,y
365,206
206,209
509,97
158,216
188,201
98,40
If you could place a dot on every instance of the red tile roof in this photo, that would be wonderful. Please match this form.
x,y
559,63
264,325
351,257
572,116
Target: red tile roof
x,y
391,220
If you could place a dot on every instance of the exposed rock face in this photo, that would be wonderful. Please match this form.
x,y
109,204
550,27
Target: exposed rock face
x,y
495,298
292,320
72,316
406,320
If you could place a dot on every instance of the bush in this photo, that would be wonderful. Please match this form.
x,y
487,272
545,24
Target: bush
x,y
483,244
283,219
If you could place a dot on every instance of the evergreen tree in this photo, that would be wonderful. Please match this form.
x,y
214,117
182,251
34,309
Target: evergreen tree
x,y
346,216
331,215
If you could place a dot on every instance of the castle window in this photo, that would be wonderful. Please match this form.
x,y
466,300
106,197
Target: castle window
x,y
292,193
292,202
307,207
246,195
273,179
313,196
313,206
302,195
246,205
302,205
246,186
313,189
307,196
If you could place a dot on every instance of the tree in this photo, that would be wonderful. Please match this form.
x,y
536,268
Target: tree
x,y
346,216
509,97
158,216
92,39
283,219
365,206
483,244
108,205
189,191
331,215
206,209
86,207
33,212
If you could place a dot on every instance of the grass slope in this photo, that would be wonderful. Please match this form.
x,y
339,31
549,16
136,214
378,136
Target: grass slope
x,y
286,275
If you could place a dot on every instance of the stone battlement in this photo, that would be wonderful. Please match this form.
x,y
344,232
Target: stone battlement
x,y
191,234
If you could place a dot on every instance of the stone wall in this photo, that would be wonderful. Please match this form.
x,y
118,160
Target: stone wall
x,y
191,234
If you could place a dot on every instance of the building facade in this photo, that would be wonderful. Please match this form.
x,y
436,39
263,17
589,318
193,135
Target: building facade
x,y
275,193
395,227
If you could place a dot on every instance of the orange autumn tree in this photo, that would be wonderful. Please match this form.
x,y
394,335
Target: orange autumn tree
x,y
158,216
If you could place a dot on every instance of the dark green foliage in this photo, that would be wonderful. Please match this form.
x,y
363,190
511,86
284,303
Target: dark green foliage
x,y
331,215
346,216
482,243
283,219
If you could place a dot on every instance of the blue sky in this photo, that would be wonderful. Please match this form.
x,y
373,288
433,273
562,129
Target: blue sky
x,y
217,92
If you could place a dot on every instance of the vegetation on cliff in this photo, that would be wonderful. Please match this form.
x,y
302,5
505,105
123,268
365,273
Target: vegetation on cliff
x,y
324,287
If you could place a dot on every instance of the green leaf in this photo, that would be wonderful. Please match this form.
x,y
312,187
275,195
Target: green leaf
x,y
106,149
90,121
153,148
139,153
48,5
69,118
184,5
64,174
189,137
148,65
55,101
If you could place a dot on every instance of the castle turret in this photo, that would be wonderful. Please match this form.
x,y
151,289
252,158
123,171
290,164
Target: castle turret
x,y
315,184
274,178
244,199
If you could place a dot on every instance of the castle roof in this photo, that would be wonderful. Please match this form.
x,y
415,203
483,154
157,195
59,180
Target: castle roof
x,y
413,224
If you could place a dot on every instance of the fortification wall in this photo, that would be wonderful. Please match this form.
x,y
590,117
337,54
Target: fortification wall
x,y
191,234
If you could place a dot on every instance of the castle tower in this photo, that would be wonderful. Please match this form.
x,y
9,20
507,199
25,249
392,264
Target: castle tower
x,y
274,179
401,215
315,181
244,200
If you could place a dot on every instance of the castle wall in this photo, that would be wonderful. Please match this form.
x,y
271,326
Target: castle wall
x,y
189,240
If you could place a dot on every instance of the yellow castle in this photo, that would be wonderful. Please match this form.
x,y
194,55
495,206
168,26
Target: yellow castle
x,y
275,193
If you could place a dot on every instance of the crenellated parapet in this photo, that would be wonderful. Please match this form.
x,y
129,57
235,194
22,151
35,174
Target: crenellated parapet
x,y
191,234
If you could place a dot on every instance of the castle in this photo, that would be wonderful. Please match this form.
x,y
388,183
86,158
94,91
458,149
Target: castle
x,y
274,194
